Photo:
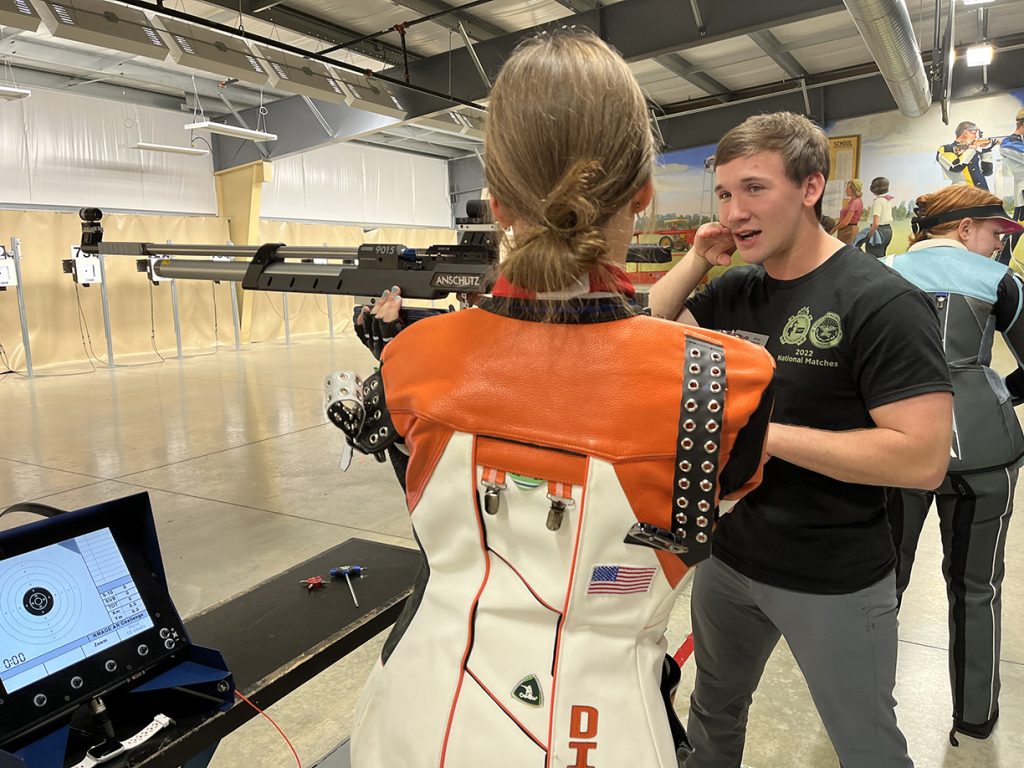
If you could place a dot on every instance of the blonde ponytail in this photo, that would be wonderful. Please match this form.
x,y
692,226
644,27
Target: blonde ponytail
x,y
568,145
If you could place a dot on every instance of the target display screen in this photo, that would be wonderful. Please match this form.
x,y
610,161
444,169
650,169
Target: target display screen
x,y
63,603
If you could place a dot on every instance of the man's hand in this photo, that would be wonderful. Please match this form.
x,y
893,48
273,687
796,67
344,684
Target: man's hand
x,y
712,247
715,244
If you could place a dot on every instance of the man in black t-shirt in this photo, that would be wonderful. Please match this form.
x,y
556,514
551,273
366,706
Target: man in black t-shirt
x,y
862,404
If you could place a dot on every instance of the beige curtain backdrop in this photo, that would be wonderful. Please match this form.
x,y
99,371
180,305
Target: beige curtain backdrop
x,y
53,309
52,299
308,312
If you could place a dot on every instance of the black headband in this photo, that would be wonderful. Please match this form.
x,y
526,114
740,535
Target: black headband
x,y
994,211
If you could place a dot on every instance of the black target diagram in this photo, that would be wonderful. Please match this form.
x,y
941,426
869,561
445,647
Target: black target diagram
x,y
40,603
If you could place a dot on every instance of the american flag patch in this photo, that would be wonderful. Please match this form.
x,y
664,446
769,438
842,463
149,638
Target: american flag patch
x,y
620,580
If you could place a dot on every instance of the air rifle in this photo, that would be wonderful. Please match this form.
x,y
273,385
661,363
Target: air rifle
x,y
468,267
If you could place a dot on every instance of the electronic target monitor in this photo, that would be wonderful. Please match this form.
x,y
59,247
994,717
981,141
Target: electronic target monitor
x,y
84,609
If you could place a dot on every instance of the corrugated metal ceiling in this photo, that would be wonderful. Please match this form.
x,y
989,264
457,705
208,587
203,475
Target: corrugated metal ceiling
x,y
661,85
818,44
521,14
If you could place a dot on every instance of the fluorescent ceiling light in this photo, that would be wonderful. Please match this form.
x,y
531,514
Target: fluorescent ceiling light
x,y
977,2
173,148
10,93
979,55
235,131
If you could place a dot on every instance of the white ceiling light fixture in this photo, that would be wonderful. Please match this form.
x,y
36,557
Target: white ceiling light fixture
x,y
11,92
234,131
977,2
980,55
171,148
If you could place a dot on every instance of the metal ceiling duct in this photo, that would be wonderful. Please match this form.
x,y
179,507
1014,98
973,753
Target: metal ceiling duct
x,y
886,28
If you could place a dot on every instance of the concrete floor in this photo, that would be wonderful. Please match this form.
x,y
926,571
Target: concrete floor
x,y
242,469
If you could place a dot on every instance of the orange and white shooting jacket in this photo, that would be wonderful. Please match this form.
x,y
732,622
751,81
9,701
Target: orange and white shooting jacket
x,y
536,448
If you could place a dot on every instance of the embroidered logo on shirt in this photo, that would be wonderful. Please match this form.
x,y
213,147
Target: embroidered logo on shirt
x,y
620,580
528,691
824,333
827,331
797,327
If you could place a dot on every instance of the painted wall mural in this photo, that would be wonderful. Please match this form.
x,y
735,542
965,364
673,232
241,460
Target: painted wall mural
x,y
891,145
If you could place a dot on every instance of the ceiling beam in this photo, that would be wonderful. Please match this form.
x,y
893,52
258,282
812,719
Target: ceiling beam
x,y
316,27
630,26
677,65
100,89
313,55
75,67
850,92
298,129
478,28
412,146
431,137
770,44
578,6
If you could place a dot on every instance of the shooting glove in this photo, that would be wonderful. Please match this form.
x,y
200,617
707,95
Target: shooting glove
x,y
358,408
375,333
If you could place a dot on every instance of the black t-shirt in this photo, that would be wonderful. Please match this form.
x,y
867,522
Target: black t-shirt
x,y
847,337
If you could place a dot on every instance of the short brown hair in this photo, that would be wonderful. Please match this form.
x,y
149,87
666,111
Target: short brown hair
x,y
568,144
802,144
879,185
948,199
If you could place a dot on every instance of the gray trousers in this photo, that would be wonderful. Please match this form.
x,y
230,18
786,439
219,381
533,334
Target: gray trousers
x,y
974,514
845,646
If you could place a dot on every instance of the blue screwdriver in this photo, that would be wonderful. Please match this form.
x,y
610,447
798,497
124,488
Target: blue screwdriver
x,y
347,571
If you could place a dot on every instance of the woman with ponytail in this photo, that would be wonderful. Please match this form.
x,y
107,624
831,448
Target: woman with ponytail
x,y
566,455
957,230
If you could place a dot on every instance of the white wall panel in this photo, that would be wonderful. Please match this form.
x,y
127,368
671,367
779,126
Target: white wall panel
x,y
16,185
60,149
361,185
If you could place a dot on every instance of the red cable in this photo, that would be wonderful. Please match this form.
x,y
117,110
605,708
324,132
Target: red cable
x,y
685,650
296,754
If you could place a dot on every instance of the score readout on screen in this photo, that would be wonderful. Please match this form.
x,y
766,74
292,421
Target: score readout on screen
x,y
63,603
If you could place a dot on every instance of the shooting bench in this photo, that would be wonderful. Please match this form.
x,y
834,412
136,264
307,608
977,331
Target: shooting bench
x,y
277,636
